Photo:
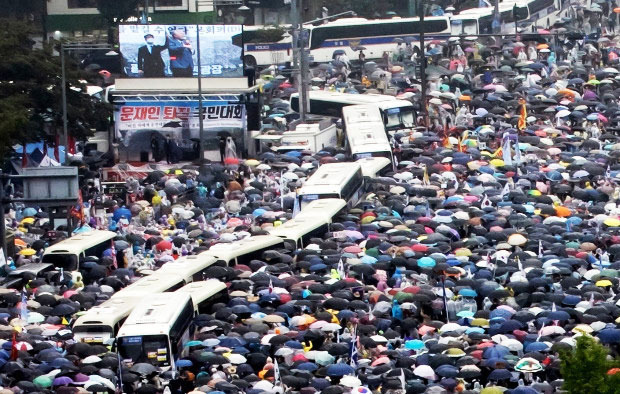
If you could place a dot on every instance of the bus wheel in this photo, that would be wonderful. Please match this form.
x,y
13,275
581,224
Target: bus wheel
x,y
249,61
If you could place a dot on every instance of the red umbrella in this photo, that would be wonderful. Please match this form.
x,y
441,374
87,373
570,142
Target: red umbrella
x,y
164,245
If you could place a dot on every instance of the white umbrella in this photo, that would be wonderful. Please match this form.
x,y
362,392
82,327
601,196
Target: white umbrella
x,y
562,113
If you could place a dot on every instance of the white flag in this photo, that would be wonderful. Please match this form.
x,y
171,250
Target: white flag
x,y
341,271
540,249
506,153
519,263
276,373
486,203
505,190
296,208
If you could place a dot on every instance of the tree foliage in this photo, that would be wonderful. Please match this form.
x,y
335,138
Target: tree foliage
x,y
585,368
30,92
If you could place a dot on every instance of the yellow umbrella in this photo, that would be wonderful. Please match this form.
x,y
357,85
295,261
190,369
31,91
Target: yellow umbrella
x,y
462,252
604,283
27,252
27,221
497,163
178,172
612,222
480,322
252,162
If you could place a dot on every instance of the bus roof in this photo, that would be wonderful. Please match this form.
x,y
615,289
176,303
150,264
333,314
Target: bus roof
x,y
202,290
296,228
347,98
330,179
188,265
326,207
109,312
229,250
157,312
152,284
336,174
77,243
372,165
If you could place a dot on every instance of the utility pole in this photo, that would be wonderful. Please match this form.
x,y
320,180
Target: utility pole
x,y
65,123
421,12
300,59
200,109
496,24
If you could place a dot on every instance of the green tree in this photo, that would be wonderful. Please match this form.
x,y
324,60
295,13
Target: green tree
x,y
585,367
116,11
30,92
28,10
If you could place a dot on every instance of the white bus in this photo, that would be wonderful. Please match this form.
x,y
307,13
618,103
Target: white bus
x,y
205,293
260,52
398,115
377,36
69,253
156,330
190,268
476,21
158,282
101,323
365,132
313,221
244,250
373,167
333,180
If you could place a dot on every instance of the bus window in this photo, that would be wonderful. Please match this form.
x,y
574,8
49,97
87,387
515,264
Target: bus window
x,y
67,262
179,330
470,27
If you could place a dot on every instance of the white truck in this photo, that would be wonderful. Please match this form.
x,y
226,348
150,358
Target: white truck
x,y
305,136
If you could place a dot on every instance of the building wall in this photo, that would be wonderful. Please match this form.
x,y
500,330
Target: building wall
x,y
61,7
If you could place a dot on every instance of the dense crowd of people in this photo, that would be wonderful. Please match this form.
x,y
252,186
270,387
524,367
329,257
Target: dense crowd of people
x,y
491,246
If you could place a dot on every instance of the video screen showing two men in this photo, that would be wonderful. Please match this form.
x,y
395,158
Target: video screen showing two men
x,y
159,51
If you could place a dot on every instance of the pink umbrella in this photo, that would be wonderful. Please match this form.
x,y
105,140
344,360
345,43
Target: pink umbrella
x,y
380,361
352,249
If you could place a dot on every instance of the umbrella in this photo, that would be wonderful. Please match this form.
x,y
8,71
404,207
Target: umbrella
x,y
143,369
340,370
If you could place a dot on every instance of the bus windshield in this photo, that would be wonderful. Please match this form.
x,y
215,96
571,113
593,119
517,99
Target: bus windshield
x,y
397,118
152,349
67,262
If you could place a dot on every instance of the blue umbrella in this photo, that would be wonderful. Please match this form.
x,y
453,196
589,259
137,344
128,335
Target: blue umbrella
x,y
184,363
536,347
121,212
609,335
340,370
500,374
307,366
29,212
558,315
497,351
447,371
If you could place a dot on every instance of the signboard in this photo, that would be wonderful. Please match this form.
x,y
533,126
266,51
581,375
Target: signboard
x,y
172,117
51,185
158,51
